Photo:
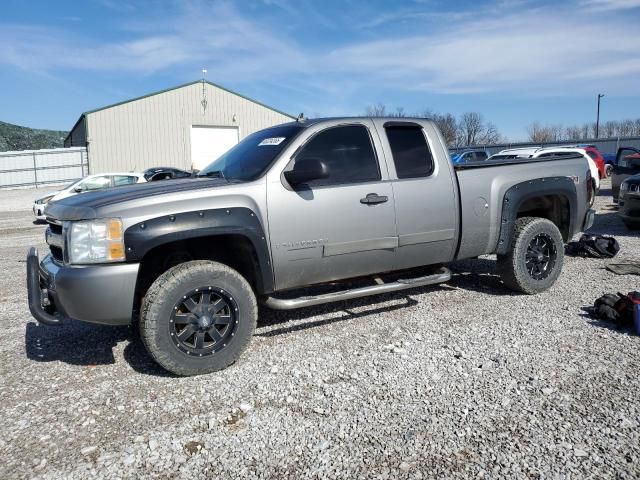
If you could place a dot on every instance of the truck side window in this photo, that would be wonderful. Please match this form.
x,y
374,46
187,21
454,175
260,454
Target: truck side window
x,y
411,154
348,153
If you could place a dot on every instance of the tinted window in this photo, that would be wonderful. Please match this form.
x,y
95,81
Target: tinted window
x,y
96,183
411,154
123,180
480,156
592,154
160,176
628,158
253,155
347,152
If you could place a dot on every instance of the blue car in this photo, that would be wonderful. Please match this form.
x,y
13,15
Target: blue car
x,y
609,162
466,156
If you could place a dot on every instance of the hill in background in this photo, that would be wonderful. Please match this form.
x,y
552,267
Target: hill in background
x,y
14,137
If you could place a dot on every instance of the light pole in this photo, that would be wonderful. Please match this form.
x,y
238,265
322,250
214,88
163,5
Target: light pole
x,y
600,95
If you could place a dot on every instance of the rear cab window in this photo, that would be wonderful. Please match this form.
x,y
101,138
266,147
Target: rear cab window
x,y
411,154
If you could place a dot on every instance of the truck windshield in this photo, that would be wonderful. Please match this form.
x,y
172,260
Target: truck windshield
x,y
250,158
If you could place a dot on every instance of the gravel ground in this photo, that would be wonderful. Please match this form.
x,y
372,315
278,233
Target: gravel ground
x,y
460,380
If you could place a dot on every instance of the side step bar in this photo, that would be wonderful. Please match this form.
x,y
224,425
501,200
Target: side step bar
x,y
443,275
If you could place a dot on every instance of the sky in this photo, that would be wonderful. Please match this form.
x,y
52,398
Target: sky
x,y
514,61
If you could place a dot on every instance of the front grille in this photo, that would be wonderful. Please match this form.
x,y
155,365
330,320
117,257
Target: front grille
x,y
55,239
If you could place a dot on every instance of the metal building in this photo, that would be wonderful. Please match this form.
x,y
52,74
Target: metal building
x,y
186,127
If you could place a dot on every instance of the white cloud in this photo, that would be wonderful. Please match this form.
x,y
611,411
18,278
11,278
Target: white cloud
x,y
516,49
608,5
532,52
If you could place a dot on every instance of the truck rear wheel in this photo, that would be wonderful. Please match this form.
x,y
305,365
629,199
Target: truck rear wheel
x,y
535,260
198,317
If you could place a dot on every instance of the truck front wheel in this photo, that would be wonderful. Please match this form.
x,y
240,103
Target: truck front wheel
x,y
198,317
535,260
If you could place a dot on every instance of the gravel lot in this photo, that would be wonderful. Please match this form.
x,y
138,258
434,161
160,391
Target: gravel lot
x,y
457,381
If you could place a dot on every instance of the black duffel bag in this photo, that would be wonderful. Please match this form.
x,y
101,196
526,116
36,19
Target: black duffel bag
x,y
596,246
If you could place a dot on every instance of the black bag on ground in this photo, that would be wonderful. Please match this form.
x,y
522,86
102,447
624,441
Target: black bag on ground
x,y
596,246
617,308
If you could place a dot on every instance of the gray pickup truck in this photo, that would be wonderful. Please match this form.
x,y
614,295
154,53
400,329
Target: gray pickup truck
x,y
287,211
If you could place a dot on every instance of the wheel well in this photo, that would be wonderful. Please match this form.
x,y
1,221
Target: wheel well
x,y
555,208
235,251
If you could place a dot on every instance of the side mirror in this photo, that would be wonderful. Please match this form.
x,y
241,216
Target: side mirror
x,y
77,189
305,170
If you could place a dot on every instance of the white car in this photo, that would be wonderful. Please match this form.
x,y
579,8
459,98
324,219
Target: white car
x,y
536,152
86,184
548,151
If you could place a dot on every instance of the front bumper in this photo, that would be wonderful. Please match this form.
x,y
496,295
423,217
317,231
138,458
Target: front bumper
x,y
97,294
629,208
38,210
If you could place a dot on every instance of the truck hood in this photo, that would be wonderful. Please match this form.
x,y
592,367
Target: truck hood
x,y
84,206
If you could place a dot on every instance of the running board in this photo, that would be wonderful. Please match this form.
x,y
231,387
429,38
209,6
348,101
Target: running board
x,y
443,275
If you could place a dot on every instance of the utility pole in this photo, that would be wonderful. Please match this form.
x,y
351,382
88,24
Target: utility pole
x,y
600,95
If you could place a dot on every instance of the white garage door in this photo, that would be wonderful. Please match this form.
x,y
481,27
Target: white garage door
x,y
208,143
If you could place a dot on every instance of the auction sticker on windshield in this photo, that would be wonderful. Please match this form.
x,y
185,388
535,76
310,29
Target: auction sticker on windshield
x,y
272,141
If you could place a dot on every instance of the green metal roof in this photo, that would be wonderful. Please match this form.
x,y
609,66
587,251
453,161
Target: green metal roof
x,y
176,88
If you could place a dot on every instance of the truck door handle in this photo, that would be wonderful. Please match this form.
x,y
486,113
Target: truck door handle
x,y
373,198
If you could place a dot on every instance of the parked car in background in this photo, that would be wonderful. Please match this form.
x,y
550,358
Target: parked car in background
x,y
164,173
627,164
597,157
537,152
564,151
86,184
629,202
513,153
609,162
471,155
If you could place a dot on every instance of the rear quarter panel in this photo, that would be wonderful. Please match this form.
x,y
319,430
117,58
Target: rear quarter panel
x,y
482,192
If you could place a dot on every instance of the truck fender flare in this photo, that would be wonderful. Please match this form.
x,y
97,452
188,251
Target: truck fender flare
x,y
142,237
519,193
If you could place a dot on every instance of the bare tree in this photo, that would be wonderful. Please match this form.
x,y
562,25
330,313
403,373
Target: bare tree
x,y
378,110
545,133
473,130
573,133
610,129
470,129
626,128
399,113
448,126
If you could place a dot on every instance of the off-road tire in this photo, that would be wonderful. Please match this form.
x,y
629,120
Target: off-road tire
x,y
168,289
512,267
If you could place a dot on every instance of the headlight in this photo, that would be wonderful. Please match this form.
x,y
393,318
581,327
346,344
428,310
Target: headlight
x,y
624,187
42,200
96,241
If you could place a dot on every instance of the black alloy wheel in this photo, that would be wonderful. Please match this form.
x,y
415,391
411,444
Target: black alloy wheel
x,y
541,256
203,321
